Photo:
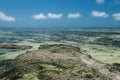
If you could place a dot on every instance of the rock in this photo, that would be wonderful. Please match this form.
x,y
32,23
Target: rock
x,y
59,48
106,41
89,75
116,64
111,55
57,62
10,46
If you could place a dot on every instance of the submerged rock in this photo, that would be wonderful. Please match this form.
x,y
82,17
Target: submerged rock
x,y
9,46
107,41
57,62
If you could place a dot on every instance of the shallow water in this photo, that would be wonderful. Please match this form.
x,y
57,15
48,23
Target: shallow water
x,y
102,44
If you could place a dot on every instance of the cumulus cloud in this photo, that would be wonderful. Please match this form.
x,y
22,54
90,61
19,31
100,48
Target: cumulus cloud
x,y
5,17
74,15
99,14
100,1
116,16
49,15
54,16
39,16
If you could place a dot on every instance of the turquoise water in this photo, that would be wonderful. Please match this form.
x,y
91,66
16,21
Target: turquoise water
x,y
81,37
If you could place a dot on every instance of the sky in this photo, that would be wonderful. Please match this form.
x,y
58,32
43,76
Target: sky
x,y
60,13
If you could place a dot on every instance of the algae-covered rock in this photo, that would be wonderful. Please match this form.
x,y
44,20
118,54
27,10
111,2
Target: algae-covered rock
x,y
11,46
57,62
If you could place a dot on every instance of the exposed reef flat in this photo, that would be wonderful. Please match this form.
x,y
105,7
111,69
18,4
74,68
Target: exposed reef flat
x,y
11,46
57,62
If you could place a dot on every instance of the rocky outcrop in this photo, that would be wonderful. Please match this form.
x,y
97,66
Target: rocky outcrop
x,y
11,46
58,62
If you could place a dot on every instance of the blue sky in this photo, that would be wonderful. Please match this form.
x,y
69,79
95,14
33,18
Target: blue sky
x,y
59,13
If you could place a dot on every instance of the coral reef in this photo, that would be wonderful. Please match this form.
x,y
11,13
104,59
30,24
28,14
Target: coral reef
x,y
56,62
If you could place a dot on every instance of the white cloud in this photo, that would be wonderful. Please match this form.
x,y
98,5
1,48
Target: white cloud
x,y
49,15
54,16
74,15
39,16
99,14
5,17
100,1
116,16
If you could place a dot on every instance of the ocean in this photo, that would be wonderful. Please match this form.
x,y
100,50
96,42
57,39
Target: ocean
x,y
102,44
